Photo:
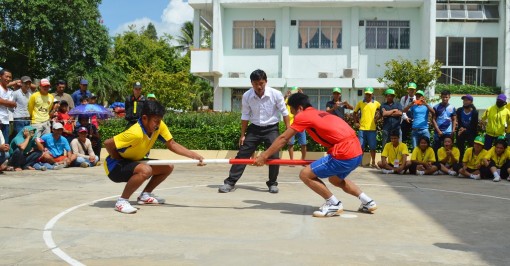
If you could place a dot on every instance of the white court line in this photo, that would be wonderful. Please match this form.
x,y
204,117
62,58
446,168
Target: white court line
x,y
50,243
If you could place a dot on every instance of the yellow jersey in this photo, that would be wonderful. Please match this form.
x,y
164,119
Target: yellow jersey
x,y
420,156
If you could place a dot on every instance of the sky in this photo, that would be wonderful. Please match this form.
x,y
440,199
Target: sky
x,y
166,15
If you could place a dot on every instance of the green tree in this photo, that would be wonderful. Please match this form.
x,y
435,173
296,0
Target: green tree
x,y
151,32
185,40
399,72
52,37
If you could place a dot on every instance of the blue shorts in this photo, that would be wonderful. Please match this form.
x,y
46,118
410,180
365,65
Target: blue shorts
x,y
301,138
328,166
367,136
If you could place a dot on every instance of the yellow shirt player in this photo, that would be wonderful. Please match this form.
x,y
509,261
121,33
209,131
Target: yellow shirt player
x,y
423,159
394,156
127,148
495,159
473,159
449,157
368,108
39,106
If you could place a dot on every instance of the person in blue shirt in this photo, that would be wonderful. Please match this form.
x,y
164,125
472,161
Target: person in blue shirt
x,y
82,92
420,111
444,120
59,151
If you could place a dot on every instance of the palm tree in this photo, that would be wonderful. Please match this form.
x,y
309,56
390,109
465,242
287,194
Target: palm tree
x,y
186,39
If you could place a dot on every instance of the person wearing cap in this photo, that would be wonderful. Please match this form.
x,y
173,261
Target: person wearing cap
x,y
473,159
336,106
59,151
496,118
467,124
444,119
39,106
81,92
93,133
367,134
82,147
129,147
6,102
151,97
133,104
25,149
420,112
496,161
406,124
20,115
391,112
301,136
61,95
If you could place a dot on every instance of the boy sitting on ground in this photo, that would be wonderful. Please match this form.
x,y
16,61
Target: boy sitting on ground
x,y
394,156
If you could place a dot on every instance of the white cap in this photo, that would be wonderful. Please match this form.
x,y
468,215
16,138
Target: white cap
x,y
57,125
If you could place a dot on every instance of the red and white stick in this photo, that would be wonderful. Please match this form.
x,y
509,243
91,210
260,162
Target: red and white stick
x,y
228,161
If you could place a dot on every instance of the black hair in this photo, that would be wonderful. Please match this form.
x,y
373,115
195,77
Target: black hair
x,y
424,138
502,142
155,108
64,103
445,92
448,136
83,98
299,99
395,133
60,82
2,72
258,75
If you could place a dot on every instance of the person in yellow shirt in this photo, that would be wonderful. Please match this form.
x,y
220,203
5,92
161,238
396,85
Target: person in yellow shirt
x,y
394,155
473,160
301,136
423,159
449,157
497,118
129,147
496,161
369,109
39,106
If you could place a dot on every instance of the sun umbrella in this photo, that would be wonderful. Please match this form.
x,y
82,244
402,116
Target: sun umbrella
x,y
90,110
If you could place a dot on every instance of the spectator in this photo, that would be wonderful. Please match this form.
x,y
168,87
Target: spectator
x,y
82,147
39,106
449,157
407,117
391,113
59,151
65,119
336,106
497,117
6,102
93,118
82,92
92,135
444,119
4,155
133,105
151,97
20,114
368,108
423,159
472,162
467,117
301,136
420,111
496,161
60,95
394,156
25,149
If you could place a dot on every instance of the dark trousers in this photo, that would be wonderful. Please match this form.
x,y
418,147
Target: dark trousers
x,y
254,136
406,131
96,146
22,161
488,141
5,128
466,138
485,172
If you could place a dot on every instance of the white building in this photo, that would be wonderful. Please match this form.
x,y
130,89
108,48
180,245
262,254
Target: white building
x,y
320,44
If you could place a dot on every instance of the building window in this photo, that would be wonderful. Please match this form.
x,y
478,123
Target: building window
x,y
254,34
467,60
387,34
320,34
447,10
237,99
318,97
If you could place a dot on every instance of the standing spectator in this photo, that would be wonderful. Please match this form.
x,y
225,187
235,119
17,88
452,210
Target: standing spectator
x,y
301,136
262,107
82,92
25,149
406,124
444,119
20,114
6,102
82,147
368,108
133,104
151,97
467,117
59,151
39,106
420,111
394,156
497,117
65,119
93,118
473,160
4,154
336,106
60,95
391,113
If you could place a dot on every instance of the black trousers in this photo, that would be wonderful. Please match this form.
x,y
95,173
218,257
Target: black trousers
x,y
406,131
255,135
467,137
22,161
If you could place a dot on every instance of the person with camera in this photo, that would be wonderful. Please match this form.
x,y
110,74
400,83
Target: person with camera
x,y
420,111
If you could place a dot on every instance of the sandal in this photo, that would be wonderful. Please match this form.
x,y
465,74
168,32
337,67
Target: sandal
x,y
9,168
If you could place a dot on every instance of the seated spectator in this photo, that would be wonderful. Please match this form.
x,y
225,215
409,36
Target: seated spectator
x,y
496,161
473,159
394,155
423,159
448,157
57,147
25,149
92,135
82,147
65,119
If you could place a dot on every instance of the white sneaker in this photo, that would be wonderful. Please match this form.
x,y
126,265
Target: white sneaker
x,y
125,207
452,173
496,179
329,210
438,172
475,177
386,171
420,172
368,208
150,199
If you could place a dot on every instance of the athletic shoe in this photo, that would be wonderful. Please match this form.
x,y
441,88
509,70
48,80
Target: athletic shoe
x,y
159,199
475,177
452,173
125,207
329,210
226,188
437,172
508,178
58,166
496,179
43,168
368,208
84,165
386,171
273,189
420,172
150,200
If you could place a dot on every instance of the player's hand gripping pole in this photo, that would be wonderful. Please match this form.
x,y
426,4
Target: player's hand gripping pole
x,y
228,161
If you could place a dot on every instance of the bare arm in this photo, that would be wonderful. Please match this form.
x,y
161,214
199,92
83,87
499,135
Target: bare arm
x,y
110,147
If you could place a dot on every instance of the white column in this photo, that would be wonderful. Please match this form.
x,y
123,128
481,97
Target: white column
x,y
285,36
428,35
505,65
197,30
218,96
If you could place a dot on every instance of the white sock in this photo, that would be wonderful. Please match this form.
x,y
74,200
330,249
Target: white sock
x,y
364,198
496,175
145,195
122,199
333,200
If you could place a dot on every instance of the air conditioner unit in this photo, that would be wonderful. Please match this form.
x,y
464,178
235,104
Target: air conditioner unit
x,y
350,73
325,75
236,74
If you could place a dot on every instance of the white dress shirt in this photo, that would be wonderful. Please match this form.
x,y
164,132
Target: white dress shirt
x,y
263,111
405,103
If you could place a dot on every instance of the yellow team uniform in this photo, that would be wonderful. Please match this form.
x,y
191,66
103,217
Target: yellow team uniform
x,y
441,154
394,155
427,156
367,121
39,107
498,160
472,161
497,119
291,116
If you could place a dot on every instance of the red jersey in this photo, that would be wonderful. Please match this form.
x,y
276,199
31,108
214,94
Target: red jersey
x,y
330,131
66,121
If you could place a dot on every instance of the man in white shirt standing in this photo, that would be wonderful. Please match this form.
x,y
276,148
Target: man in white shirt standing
x,y
261,108
20,114
407,118
6,102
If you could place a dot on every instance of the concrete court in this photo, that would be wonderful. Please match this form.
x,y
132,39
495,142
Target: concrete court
x,y
436,220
